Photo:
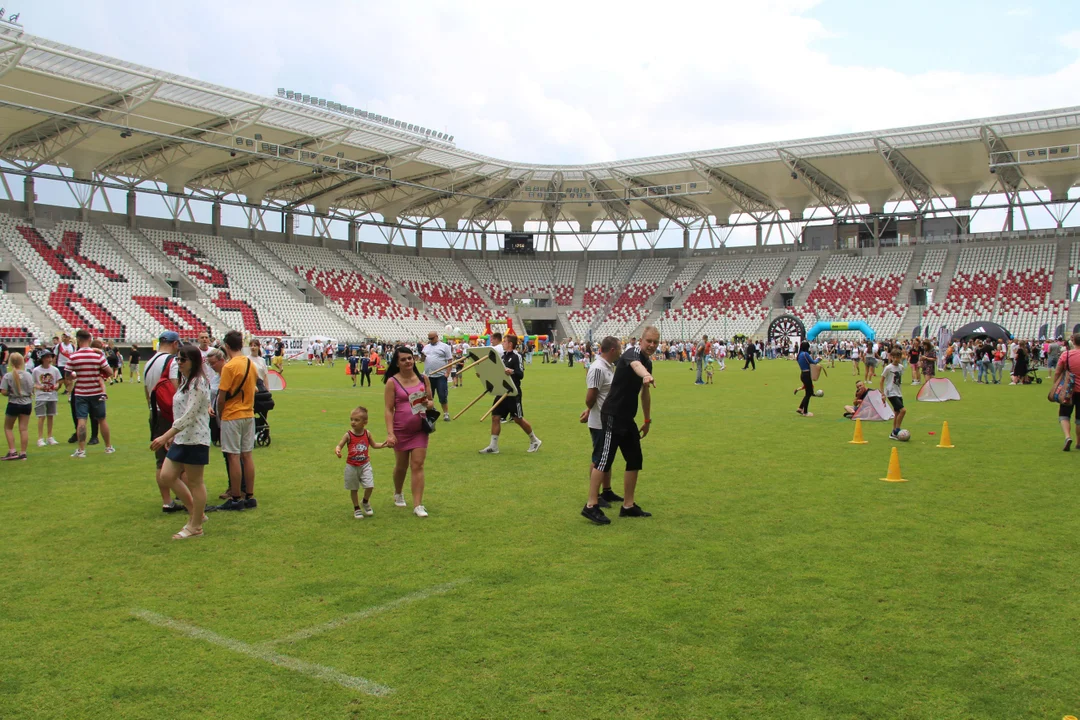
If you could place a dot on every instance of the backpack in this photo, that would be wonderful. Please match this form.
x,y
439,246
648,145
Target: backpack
x,y
1062,391
161,396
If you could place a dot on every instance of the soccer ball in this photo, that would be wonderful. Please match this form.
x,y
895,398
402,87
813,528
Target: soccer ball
x,y
819,393
903,436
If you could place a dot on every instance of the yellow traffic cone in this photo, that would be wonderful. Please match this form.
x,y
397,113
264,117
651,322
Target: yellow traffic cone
x,y
946,441
894,468
857,439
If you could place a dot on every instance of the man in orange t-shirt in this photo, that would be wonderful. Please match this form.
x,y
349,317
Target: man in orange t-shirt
x,y
236,406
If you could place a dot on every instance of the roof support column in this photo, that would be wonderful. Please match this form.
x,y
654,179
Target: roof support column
x,y
757,234
289,221
686,240
1010,220
419,241
28,196
918,226
215,217
132,205
483,245
618,253
877,232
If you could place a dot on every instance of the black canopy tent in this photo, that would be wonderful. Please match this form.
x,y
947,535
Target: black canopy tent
x,y
981,330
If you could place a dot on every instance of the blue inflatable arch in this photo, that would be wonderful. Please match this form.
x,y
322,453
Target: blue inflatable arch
x,y
826,326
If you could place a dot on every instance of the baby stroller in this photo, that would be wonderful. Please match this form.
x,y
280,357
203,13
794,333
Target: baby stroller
x,y
264,403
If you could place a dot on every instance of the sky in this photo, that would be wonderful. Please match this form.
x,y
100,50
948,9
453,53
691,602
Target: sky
x,y
571,82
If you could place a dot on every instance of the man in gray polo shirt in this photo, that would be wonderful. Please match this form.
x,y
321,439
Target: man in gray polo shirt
x,y
437,355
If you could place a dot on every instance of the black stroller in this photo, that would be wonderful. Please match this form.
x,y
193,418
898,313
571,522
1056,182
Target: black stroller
x,y
264,403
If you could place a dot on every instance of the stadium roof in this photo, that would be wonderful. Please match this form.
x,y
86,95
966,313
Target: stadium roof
x,y
110,120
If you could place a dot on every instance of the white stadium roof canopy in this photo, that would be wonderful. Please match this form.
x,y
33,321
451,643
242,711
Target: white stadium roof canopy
x,y
114,122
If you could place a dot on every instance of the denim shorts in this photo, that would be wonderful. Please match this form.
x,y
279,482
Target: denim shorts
x,y
189,454
89,406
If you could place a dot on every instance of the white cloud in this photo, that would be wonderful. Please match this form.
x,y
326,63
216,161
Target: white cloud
x,y
559,81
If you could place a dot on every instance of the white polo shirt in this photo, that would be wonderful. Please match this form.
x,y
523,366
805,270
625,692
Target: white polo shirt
x,y
599,376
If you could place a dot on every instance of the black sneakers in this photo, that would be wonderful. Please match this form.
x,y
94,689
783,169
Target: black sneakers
x,y
174,507
609,495
230,504
93,441
595,514
602,503
251,503
633,511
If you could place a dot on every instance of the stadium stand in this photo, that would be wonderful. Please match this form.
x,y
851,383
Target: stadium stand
x,y
803,266
860,287
602,278
361,302
87,283
630,308
14,324
505,279
685,277
728,300
1024,306
932,265
972,291
440,284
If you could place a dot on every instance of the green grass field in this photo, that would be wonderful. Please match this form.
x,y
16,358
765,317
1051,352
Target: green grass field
x,y
778,577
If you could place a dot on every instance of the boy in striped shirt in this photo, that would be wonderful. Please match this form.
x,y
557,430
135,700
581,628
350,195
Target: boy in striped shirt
x,y
89,368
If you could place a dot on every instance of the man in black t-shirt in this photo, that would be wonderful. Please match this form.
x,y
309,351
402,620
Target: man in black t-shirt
x,y
633,377
510,408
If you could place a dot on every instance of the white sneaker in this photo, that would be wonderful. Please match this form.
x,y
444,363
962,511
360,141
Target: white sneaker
x,y
419,511
52,441
399,499
79,454
358,514
366,507
489,451
446,417
41,442
110,450
534,446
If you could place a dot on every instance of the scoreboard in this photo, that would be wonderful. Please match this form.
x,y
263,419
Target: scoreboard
x,y
518,243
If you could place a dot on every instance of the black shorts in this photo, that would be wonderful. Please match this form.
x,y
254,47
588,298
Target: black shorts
x,y
509,408
15,410
897,403
157,430
1064,411
623,437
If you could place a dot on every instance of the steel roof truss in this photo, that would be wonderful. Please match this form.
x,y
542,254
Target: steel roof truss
x,y
830,193
748,198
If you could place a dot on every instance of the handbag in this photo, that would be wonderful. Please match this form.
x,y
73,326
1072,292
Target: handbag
x,y
1062,391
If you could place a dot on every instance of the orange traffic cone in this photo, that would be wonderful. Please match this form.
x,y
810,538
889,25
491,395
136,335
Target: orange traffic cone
x,y
946,441
857,439
894,468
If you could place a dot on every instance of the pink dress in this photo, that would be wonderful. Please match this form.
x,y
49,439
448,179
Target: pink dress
x,y
408,406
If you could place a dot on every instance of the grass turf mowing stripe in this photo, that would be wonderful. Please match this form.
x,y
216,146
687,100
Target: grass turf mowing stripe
x,y
366,613
319,672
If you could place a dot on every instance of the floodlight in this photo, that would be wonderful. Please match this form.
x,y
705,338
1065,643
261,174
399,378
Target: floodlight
x,y
451,139
258,136
794,175
341,154
281,92
125,134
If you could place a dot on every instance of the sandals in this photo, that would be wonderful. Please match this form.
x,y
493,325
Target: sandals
x,y
186,533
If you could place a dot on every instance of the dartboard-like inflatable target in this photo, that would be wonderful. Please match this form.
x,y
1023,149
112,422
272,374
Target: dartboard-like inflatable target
x,y
786,329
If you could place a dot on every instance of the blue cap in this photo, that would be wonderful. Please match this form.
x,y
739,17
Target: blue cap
x,y
169,336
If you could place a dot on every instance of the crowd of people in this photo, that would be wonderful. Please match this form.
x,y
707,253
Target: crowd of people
x,y
204,392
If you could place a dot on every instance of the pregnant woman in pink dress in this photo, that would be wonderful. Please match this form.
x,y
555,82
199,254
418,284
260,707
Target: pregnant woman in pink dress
x,y
406,398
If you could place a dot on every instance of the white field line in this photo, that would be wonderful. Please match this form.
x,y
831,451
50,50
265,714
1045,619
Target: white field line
x,y
366,613
319,672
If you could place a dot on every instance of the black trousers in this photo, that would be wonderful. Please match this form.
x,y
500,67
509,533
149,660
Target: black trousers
x,y
749,363
365,374
808,386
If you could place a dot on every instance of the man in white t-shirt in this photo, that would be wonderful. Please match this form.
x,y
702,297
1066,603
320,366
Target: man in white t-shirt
x,y
598,384
63,351
162,361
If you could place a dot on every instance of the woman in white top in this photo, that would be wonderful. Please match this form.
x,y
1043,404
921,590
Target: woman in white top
x,y
967,360
257,362
188,440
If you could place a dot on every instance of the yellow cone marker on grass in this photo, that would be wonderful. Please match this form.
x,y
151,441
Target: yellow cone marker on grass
x,y
946,441
894,468
857,439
